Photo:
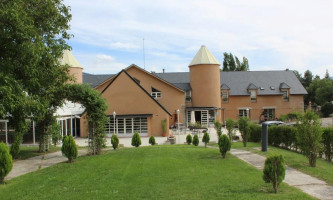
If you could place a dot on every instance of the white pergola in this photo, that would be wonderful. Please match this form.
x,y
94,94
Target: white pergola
x,y
6,128
70,111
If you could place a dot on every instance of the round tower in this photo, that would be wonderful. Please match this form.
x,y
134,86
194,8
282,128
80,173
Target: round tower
x,y
75,69
205,79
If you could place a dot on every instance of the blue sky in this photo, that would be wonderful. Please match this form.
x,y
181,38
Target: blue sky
x,y
273,35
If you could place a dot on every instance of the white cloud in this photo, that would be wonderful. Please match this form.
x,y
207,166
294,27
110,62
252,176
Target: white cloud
x,y
294,33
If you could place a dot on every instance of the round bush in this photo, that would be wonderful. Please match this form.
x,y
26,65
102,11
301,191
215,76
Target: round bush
x,y
6,161
195,140
69,148
205,139
152,140
115,141
15,148
136,140
189,139
224,145
274,170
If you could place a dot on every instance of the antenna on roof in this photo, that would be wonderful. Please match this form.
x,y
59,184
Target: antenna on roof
x,y
144,59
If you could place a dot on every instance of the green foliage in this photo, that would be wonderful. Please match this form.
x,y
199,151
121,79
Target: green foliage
x,y
152,140
232,63
319,91
69,148
218,128
284,136
189,139
164,126
255,132
33,36
95,108
224,145
15,148
309,136
293,116
6,162
114,141
327,142
136,140
230,125
55,131
327,109
274,170
243,126
205,139
195,140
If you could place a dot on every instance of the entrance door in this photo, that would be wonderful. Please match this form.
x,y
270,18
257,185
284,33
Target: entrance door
x,y
197,115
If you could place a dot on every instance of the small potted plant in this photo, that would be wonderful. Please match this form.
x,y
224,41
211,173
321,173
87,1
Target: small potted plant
x,y
172,139
164,127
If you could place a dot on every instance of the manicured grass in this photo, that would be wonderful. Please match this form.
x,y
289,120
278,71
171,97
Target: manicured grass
x,y
32,151
323,170
158,172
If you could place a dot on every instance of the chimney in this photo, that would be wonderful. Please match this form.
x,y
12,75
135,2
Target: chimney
x,y
163,70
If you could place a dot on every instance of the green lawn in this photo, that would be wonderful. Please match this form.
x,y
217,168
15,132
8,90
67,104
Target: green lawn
x,y
160,172
32,151
323,170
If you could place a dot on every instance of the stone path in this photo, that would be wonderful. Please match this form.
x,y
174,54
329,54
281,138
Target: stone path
x,y
306,183
22,167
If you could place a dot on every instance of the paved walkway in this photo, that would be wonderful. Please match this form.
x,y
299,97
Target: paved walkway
x,y
22,167
306,183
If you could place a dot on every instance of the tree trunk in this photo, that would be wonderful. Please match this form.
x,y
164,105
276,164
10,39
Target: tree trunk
x,y
312,160
2,180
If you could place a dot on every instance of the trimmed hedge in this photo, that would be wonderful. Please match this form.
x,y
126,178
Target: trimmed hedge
x,y
195,141
282,136
255,133
327,141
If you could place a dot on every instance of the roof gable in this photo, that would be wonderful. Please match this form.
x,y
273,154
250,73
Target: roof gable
x,y
137,84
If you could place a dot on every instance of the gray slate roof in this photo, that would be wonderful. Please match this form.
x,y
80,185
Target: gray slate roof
x,y
238,82
95,80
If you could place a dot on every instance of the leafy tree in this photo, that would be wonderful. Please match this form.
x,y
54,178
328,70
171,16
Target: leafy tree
x,y
136,140
152,140
274,170
69,148
232,63
205,139
327,75
33,35
230,125
195,140
218,128
224,145
6,162
243,126
115,141
307,78
320,91
189,139
309,135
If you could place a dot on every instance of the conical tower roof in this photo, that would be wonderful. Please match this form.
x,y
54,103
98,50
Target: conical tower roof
x,y
69,59
204,56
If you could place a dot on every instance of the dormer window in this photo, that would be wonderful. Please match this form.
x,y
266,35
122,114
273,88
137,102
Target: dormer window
x,y
284,88
285,94
188,96
225,96
253,92
253,95
156,94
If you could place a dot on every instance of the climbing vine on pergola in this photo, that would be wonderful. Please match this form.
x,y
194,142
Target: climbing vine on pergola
x,y
95,113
